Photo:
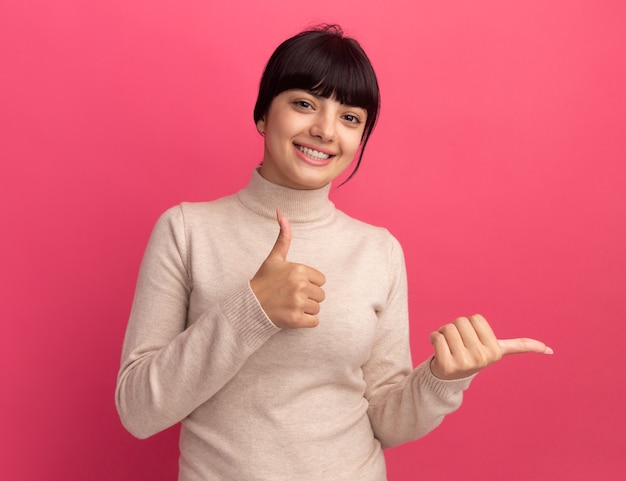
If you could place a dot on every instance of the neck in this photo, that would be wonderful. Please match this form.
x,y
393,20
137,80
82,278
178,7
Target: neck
x,y
264,197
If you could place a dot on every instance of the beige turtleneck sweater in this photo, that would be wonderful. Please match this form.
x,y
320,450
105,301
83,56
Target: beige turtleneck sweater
x,y
257,402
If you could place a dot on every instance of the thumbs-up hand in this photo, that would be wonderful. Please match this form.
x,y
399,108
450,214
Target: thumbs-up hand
x,y
468,344
290,294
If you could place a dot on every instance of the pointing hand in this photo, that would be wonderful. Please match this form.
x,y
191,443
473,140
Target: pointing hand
x,y
290,294
468,344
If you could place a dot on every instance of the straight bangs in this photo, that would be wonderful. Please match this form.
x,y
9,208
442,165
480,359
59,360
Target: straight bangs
x,y
326,64
334,71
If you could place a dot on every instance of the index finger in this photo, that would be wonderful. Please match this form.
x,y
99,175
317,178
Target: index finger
x,y
523,345
315,276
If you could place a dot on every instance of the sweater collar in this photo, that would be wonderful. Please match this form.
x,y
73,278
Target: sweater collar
x,y
263,198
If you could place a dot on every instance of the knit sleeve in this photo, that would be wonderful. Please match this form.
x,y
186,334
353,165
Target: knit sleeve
x,y
404,404
169,369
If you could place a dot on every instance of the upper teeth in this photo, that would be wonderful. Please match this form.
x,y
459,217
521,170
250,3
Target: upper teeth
x,y
314,153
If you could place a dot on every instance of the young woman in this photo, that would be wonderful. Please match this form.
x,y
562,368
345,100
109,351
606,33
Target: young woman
x,y
274,326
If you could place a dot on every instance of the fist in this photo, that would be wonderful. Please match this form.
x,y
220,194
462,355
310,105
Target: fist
x,y
468,344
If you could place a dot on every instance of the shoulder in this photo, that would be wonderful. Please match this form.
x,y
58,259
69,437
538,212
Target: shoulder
x,y
367,233
189,214
377,242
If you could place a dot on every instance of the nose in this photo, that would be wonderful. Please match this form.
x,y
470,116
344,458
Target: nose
x,y
323,126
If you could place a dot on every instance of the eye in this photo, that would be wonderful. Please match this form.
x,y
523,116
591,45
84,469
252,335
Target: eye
x,y
351,118
303,104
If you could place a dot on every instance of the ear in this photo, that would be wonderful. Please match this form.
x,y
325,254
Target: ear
x,y
260,126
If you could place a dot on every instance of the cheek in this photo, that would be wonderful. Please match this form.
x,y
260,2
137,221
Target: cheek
x,y
354,143
274,136
279,132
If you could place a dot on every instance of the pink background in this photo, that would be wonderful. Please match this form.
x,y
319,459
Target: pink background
x,y
499,162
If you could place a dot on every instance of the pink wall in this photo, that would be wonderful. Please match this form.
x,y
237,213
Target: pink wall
x,y
499,162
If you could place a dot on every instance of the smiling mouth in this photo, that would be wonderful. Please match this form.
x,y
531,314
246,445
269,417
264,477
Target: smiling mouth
x,y
313,154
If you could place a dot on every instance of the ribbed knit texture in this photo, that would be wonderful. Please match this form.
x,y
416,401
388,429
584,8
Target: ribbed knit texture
x,y
262,403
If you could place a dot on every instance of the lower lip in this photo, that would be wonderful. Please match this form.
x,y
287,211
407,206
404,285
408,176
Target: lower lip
x,y
311,161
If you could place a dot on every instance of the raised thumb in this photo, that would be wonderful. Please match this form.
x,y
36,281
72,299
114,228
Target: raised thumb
x,y
281,246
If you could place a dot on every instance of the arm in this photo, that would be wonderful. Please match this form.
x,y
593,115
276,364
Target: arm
x,y
405,404
169,369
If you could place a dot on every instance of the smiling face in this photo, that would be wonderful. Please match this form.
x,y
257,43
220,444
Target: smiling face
x,y
309,140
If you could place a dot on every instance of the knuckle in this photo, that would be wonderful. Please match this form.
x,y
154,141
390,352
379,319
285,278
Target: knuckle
x,y
302,284
299,269
299,303
292,320
315,308
447,329
481,359
460,322
487,356
298,320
